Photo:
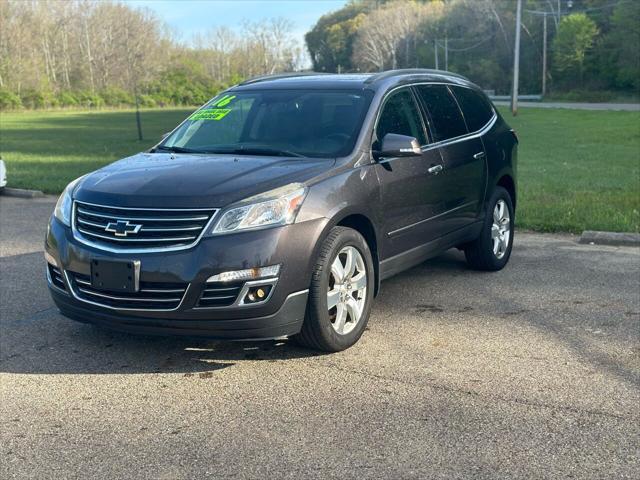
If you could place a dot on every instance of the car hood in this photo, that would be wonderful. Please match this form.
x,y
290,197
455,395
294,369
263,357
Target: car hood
x,y
192,180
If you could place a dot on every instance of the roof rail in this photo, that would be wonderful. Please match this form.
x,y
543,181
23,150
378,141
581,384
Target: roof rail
x,y
411,71
277,76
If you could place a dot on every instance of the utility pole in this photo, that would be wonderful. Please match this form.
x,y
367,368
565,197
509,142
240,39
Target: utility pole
x,y
544,55
138,122
516,61
435,48
559,10
446,52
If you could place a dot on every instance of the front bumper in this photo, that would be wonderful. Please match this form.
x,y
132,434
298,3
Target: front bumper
x,y
290,246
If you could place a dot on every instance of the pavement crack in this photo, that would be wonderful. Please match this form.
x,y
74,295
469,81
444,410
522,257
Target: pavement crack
x,y
498,398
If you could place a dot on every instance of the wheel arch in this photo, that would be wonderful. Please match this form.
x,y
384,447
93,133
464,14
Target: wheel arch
x,y
364,226
507,182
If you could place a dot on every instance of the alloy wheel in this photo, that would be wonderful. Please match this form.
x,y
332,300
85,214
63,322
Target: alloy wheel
x,y
347,291
501,229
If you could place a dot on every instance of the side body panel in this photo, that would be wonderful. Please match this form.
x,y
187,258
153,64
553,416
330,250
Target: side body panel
x,y
459,196
465,175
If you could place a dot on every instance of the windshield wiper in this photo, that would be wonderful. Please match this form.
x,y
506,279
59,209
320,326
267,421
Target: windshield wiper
x,y
260,151
164,148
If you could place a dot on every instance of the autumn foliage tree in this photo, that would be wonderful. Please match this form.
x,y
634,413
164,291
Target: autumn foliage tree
x,y
389,34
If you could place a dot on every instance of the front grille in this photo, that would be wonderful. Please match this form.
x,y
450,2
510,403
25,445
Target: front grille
x,y
151,296
219,294
56,277
140,228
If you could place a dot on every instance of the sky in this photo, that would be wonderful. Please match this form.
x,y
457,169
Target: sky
x,y
188,17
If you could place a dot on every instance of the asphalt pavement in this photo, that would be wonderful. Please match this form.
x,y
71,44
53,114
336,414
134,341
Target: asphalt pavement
x,y
532,372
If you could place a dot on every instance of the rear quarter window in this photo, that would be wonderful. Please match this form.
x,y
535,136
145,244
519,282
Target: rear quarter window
x,y
476,109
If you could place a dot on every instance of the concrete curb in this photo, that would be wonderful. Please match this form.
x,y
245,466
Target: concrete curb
x,y
21,192
610,238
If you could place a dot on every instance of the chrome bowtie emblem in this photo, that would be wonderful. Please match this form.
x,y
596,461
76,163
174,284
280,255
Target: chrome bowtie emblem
x,y
122,228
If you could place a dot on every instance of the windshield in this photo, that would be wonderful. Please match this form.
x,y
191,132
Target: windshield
x,y
293,123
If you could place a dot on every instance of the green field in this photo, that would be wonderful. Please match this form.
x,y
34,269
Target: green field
x,y
577,169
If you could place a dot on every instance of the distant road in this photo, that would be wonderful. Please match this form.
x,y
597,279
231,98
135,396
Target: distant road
x,y
630,107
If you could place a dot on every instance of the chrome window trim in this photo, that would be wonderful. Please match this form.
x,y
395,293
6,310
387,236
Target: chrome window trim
x,y
119,309
448,141
239,301
78,235
463,138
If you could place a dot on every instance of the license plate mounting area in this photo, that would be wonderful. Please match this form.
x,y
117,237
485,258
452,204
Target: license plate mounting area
x,y
115,276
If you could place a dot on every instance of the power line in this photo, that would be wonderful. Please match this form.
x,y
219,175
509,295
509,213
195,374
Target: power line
x,y
485,40
584,10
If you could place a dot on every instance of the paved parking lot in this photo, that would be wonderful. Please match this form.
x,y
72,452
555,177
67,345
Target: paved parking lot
x,y
530,372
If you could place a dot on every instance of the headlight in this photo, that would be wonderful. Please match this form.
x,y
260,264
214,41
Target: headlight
x,y
277,207
63,208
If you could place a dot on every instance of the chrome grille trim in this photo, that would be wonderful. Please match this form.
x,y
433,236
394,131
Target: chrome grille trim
x,y
127,299
86,283
89,217
124,239
147,229
74,281
54,277
219,295
142,219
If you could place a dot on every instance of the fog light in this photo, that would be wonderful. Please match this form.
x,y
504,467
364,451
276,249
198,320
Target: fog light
x,y
248,274
50,260
257,294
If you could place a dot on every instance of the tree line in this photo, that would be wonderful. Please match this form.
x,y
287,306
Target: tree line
x,y
593,45
87,53
84,53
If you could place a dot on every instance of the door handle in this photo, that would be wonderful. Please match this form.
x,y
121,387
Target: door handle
x,y
435,169
478,155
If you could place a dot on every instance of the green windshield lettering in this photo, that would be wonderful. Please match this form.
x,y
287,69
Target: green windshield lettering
x,y
224,101
214,111
210,114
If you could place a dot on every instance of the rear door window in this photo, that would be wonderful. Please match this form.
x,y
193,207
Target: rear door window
x,y
446,118
476,109
400,115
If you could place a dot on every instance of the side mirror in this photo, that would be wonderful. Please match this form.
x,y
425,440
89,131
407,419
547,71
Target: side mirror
x,y
394,145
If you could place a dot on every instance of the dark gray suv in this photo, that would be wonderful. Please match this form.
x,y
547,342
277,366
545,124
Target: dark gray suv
x,y
278,207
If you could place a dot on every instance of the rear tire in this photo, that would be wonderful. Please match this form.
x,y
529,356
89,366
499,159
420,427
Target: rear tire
x,y
492,249
340,294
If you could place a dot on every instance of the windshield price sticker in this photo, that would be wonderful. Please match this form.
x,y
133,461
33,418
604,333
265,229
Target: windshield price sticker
x,y
210,114
215,110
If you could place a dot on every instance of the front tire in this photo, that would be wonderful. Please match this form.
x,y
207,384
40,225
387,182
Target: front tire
x,y
492,249
340,294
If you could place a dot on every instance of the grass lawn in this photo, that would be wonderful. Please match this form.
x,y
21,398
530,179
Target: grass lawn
x,y
577,169
46,150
